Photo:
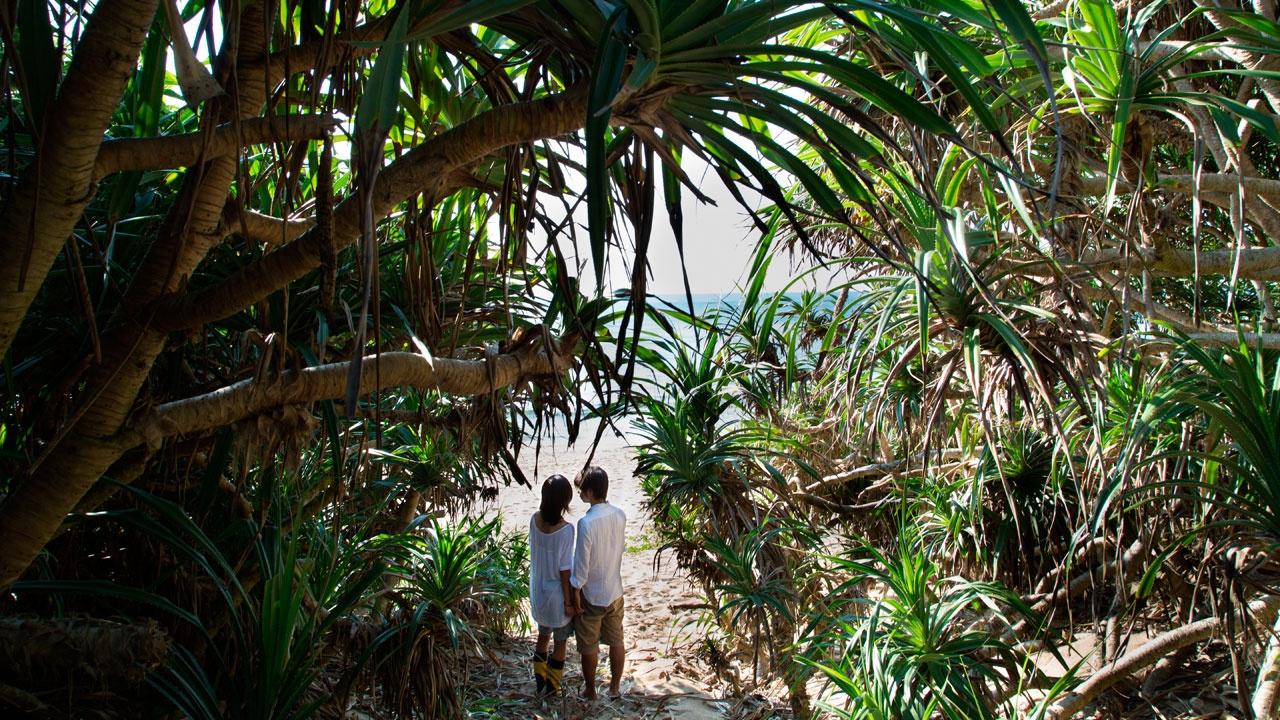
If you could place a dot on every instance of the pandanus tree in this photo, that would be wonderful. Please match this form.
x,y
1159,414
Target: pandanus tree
x,y
449,120
370,203
1054,363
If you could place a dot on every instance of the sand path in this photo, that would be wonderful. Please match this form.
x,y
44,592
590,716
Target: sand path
x,y
660,680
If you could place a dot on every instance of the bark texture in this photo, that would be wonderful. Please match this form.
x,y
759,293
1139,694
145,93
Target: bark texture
x,y
39,654
1266,696
55,188
1255,263
328,382
75,459
1262,609
426,168
175,151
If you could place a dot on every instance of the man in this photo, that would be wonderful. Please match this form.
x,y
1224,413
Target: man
x,y
597,580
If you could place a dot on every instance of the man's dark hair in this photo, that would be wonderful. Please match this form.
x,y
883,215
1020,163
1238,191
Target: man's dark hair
x,y
596,480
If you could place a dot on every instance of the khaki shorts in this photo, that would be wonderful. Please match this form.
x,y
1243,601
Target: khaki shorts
x,y
599,624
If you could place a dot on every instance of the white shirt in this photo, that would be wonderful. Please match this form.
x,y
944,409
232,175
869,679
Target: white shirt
x,y
549,553
597,561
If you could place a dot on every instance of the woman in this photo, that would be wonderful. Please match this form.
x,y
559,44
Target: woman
x,y
550,596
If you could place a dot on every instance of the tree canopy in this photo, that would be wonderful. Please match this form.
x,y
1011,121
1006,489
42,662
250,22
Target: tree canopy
x,y
322,278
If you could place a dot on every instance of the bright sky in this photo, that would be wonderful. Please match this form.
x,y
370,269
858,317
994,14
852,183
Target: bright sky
x,y
720,241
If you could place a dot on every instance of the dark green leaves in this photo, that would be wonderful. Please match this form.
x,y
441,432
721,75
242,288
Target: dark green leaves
x,y
606,81
377,106
470,13
38,64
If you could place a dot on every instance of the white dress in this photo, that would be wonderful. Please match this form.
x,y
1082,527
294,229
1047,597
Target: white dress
x,y
549,553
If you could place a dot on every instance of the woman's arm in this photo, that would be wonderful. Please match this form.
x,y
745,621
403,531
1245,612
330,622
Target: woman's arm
x,y
570,597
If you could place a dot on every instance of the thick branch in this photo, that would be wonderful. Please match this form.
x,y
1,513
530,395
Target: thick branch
x,y
1266,696
1265,188
1262,609
45,654
193,148
319,55
265,229
1218,183
328,382
427,168
1255,263
1266,341
58,183
878,470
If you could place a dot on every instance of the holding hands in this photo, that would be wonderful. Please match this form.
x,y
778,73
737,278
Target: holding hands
x,y
573,603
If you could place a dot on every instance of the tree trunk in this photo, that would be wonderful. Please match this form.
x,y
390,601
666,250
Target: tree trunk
x,y
55,188
1266,696
77,457
47,654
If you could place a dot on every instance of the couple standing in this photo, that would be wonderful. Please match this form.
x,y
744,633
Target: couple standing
x,y
576,587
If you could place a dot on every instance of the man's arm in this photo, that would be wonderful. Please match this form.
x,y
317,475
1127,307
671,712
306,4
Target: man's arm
x,y
581,557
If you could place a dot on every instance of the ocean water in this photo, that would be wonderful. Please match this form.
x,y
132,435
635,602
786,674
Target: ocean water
x,y
706,306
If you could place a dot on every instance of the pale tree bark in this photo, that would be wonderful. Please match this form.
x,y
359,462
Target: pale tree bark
x,y
1255,263
55,188
176,151
1266,696
1262,610
429,168
328,382
264,229
74,460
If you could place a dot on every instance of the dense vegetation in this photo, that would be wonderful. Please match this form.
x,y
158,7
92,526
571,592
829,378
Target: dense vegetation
x,y
266,319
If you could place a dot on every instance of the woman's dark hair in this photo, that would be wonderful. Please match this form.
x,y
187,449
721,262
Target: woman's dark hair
x,y
556,494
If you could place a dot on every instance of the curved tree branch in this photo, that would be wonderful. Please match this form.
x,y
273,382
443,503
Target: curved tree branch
x,y
429,167
262,228
193,148
328,382
1222,183
1255,263
1262,609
